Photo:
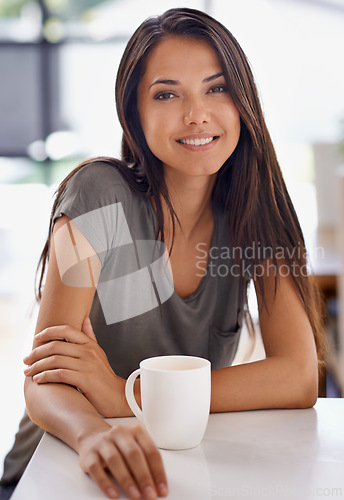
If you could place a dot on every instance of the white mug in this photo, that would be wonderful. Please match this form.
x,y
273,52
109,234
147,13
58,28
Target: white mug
x,y
175,398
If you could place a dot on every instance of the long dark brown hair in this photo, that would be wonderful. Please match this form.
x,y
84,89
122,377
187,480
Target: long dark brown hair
x,y
249,185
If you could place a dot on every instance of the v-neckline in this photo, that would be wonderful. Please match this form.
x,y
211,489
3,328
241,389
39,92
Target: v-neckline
x,y
205,278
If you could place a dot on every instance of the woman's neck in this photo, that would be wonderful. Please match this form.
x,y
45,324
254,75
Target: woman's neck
x,y
191,200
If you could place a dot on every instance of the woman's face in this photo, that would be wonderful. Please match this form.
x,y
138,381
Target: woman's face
x,y
187,115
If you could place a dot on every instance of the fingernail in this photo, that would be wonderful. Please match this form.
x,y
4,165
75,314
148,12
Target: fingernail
x,y
133,492
149,493
112,493
26,359
27,370
162,489
36,377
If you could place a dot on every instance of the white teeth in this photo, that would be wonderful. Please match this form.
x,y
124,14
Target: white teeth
x,y
197,142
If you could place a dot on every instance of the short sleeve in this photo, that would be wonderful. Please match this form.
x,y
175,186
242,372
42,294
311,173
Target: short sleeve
x,y
93,198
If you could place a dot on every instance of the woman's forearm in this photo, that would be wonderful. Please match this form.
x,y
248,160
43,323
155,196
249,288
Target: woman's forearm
x,y
124,454
270,383
62,411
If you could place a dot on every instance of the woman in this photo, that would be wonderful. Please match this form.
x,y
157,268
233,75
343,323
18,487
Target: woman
x,y
198,173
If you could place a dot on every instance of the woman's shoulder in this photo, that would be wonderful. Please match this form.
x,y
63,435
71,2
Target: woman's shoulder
x,y
104,179
99,172
95,184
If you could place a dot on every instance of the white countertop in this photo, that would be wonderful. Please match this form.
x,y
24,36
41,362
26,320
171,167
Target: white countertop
x,y
275,454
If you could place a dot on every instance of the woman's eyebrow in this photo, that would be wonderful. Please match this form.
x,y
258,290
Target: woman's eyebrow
x,y
166,82
177,82
213,77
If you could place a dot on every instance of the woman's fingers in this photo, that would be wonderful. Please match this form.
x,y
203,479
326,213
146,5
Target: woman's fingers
x,y
62,332
118,467
59,376
64,362
56,365
132,460
94,468
84,366
53,348
154,461
135,460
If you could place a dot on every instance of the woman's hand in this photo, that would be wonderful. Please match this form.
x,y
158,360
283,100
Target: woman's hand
x,y
63,354
128,455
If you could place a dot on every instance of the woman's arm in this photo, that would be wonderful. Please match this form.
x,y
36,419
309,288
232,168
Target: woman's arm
x,y
65,412
288,377
65,349
64,354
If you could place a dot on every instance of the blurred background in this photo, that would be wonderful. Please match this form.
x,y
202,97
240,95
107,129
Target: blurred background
x,y
58,61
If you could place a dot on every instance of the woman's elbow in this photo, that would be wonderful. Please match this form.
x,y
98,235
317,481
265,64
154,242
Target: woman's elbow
x,y
308,399
31,403
27,395
306,389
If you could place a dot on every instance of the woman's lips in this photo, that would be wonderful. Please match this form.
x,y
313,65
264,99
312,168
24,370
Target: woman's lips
x,y
198,143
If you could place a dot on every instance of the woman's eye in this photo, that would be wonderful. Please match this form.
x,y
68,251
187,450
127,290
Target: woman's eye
x,y
163,96
218,88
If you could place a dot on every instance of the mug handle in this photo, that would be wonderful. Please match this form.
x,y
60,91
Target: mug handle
x,y
129,394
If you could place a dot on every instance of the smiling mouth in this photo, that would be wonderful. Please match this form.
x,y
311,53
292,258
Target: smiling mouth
x,y
197,142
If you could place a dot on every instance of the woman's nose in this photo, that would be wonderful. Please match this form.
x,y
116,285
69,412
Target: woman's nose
x,y
195,112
